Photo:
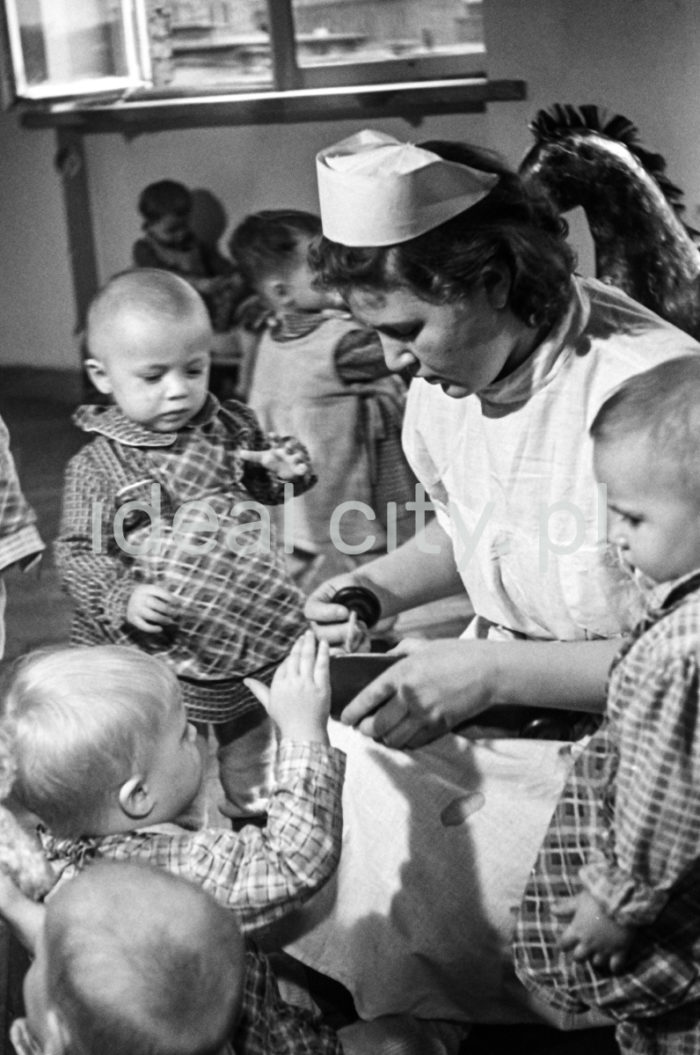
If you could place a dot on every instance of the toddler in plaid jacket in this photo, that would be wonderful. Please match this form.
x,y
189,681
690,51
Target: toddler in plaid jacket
x,y
610,918
166,540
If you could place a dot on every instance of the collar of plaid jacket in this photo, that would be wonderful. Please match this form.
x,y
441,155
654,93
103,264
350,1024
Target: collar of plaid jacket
x,y
670,594
109,421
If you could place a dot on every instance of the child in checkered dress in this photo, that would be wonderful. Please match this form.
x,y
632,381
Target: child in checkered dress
x,y
611,914
165,539
322,377
20,543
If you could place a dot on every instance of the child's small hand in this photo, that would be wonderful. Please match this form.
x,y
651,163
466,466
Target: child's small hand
x,y
150,608
299,698
287,459
591,934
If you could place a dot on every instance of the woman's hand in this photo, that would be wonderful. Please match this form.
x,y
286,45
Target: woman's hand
x,y
330,621
437,686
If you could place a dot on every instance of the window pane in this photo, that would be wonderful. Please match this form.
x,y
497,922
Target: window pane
x,y
220,43
60,44
354,31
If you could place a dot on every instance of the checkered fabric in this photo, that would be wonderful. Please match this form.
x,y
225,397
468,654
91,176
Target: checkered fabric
x,y
269,1026
262,874
627,827
185,511
19,538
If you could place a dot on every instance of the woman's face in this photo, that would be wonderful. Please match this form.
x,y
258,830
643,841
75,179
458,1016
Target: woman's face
x,y
462,346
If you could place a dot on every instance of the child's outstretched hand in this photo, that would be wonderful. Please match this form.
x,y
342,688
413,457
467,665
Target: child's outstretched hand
x,y
592,935
150,608
286,458
299,699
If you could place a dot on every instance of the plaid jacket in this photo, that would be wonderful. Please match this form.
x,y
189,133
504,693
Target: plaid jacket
x,y
19,537
262,874
628,827
184,510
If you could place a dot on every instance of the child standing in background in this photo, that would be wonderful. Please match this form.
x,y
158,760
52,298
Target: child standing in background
x,y
169,242
20,542
165,539
611,913
320,376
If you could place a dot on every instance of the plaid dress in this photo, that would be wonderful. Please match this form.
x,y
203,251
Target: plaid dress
x,y
185,511
19,538
261,874
628,829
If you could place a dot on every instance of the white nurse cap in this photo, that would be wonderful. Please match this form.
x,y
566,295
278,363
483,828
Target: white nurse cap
x,y
375,190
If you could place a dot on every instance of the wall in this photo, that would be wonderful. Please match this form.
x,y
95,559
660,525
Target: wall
x,y
36,294
639,57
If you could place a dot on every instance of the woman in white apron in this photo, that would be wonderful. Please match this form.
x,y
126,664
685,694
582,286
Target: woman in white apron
x,y
468,280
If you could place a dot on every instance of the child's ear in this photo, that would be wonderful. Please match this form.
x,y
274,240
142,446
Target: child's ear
x,y
135,798
276,292
57,1038
98,375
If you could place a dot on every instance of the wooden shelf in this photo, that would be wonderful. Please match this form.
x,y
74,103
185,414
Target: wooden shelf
x,y
148,111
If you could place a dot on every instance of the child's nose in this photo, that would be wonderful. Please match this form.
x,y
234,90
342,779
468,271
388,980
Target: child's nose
x,y
616,531
177,385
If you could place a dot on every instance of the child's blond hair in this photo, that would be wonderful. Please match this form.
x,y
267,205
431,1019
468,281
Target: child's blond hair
x,y
141,962
660,406
82,720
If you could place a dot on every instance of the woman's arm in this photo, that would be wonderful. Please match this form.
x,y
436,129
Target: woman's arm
x,y
419,571
442,684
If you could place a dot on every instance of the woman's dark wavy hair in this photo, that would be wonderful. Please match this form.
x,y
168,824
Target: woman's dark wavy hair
x,y
512,227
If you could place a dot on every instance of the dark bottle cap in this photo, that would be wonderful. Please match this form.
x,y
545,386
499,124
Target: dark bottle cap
x,y
360,600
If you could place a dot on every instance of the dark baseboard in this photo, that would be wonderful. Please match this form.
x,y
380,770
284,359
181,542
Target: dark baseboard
x,y
63,387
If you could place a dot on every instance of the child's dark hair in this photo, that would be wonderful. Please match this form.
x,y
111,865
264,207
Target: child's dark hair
x,y
267,240
163,198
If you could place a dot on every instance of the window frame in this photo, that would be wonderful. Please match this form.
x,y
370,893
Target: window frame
x,y
135,36
410,87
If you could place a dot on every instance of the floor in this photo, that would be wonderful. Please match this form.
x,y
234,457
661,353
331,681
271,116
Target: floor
x,y
36,407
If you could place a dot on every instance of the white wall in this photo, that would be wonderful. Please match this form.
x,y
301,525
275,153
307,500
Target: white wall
x,y
638,57
36,293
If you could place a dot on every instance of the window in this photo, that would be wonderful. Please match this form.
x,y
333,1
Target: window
x,y
290,44
60,47
305,58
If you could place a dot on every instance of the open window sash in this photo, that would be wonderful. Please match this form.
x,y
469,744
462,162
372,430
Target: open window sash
x,y
64,48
